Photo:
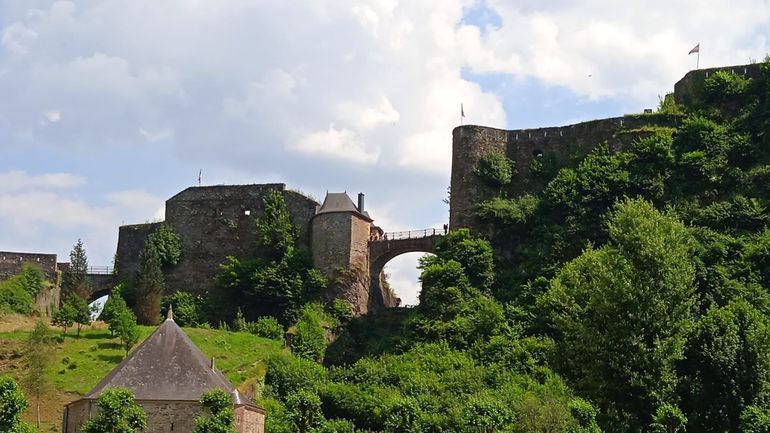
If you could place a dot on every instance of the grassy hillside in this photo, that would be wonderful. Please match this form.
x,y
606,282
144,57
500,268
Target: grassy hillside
x,y
80,363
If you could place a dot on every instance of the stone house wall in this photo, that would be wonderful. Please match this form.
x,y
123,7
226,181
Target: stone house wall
x,y
164,416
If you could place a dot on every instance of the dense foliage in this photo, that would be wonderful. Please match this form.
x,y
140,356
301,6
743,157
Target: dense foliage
x,y
149,284
220,417
648,267
279,278
12,404
118,413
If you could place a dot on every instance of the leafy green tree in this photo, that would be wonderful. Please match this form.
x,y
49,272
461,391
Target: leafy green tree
x,y
75,279
32,279
267,327
82,312
287,374
118,413
496,169
125,327
304,410
64,317
187,309
755,420
726,367
12,405
485,414
221,417
38,351
168,245
404,416
149,285
309,340
276,231
620,314
668,419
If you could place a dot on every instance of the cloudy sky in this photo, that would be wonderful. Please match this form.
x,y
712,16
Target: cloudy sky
x,y
108,107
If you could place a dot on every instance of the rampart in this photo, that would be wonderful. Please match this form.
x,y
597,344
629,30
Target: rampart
x,y
213,222
537,155
690,87
12,263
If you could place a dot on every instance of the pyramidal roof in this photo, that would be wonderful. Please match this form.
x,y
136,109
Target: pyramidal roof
x,y
166,366
340,202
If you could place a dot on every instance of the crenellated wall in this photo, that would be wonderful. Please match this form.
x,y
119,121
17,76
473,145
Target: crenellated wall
x,y
537,155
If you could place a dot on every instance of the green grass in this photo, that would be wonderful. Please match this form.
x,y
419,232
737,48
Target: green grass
x,y
80,363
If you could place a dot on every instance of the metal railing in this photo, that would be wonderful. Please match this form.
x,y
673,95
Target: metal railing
x,y
100,270
411,234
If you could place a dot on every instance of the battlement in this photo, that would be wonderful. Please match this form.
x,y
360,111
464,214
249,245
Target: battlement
x,y
690,87
539,153
11,263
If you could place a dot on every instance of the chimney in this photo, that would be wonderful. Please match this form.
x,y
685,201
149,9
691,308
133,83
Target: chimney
x,y
361,202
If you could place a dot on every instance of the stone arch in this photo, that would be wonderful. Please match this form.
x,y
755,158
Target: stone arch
x,y
383,251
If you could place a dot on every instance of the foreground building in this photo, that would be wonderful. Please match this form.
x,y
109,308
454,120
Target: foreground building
x,y
168,375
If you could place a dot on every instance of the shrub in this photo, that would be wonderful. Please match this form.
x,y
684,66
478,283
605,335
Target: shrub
x,y
496,169
267,327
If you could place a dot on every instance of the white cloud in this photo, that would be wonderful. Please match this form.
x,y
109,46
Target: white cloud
x,y
337,143
18,180
42,213
17,37
52,116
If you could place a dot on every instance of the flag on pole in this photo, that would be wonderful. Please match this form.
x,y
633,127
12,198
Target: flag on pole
x,y
695,49
200,174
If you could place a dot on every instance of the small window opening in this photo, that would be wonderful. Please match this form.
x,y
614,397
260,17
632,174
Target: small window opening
x,y
537,153
247,212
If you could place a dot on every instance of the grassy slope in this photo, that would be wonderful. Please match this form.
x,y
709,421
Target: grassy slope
x,y
79,364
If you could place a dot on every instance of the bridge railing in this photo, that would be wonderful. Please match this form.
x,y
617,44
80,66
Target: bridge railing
x,y
411,234
100,270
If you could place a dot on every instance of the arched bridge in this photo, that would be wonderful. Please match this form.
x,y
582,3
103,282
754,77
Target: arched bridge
x,y
386,247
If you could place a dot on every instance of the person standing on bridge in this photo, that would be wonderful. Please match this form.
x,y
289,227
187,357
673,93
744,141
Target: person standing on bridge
x,y
446,228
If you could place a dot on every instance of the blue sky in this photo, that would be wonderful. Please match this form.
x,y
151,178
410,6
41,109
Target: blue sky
x,y
110,107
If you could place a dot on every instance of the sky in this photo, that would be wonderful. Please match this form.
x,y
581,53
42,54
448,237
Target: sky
x,y
109,107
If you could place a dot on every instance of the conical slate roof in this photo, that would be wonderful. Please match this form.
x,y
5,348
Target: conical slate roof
x,y
166,366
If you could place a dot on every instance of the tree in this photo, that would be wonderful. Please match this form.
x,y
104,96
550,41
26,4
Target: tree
x,y
32,279
149,285
276,232
12,405
168,245
668,419
118,413
404,417
187,309
39,352
75,279
309,340
124,326
64,317
620,314
221,417
82,311
304,409
485,414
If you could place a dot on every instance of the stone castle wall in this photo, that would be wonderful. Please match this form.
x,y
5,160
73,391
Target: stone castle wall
x,y
213,222
551,149
12,263
690,87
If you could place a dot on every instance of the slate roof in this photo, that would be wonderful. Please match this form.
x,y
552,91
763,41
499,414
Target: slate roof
x,y
340,202
166,366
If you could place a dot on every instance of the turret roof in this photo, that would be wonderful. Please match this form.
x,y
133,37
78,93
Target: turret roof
x,y
340,202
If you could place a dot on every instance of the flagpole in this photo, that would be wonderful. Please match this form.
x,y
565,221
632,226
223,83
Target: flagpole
x,y
697,59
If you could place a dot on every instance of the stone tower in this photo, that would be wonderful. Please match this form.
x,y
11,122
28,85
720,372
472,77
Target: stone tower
x,y
340,243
